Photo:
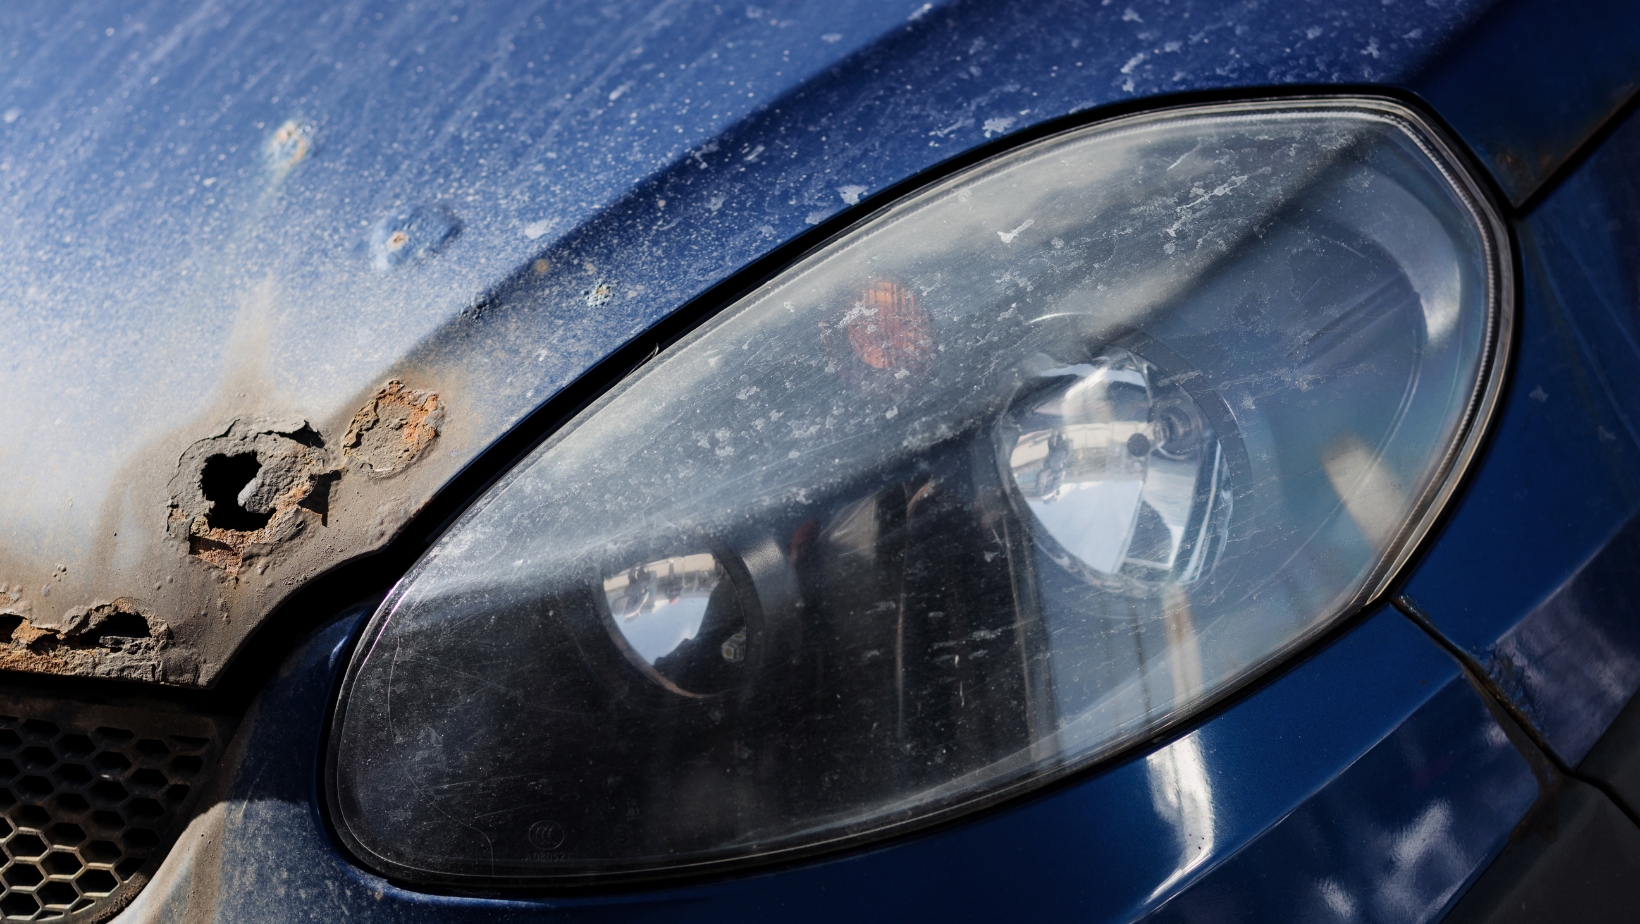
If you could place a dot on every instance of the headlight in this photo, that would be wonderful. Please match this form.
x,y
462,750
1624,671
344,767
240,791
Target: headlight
x,y
1020,470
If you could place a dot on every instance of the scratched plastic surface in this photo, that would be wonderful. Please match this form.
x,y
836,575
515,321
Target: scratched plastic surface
x,y
1367,782
1535,576
944,510
198,190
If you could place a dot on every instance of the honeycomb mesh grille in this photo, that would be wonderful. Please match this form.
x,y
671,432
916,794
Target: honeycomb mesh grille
x,y
90,798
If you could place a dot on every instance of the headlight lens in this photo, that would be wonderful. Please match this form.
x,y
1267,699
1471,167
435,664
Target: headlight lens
x,y
1023,468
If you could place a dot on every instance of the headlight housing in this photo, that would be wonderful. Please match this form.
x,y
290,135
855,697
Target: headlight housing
x,y
1014,473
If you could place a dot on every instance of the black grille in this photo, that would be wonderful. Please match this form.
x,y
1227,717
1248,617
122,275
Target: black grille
x,y
90,798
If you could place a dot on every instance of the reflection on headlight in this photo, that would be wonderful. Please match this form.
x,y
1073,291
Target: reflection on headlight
x,y
680,618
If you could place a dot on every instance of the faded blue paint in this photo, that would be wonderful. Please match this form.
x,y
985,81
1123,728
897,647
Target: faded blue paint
x,y
1369,782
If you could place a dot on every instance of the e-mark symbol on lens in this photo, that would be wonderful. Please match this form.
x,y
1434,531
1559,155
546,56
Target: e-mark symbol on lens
x,y
546,834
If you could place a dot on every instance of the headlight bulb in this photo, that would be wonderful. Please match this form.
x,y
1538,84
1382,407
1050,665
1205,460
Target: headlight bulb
x,y
1120,470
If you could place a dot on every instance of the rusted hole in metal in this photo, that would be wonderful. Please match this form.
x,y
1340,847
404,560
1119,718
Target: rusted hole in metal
x,y
221,481
243,495
116,630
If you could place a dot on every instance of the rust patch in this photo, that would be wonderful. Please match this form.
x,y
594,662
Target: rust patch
x,y
393,429
290,144
248,492
599,295
105,640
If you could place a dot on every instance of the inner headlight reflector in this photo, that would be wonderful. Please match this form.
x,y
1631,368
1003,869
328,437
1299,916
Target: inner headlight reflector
x,y
1120,470
1018,471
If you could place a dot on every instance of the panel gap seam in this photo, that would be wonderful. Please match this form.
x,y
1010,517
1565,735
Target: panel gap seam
x,y
1484,682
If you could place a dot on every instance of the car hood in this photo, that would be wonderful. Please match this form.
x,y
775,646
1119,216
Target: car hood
x,y
277,272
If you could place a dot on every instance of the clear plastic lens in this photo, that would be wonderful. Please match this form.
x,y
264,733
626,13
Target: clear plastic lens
x,y
1024,468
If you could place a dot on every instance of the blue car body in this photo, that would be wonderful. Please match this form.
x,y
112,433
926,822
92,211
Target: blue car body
x,y
169,273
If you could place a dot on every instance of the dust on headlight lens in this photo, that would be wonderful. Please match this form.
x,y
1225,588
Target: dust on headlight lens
x,y
1026,467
